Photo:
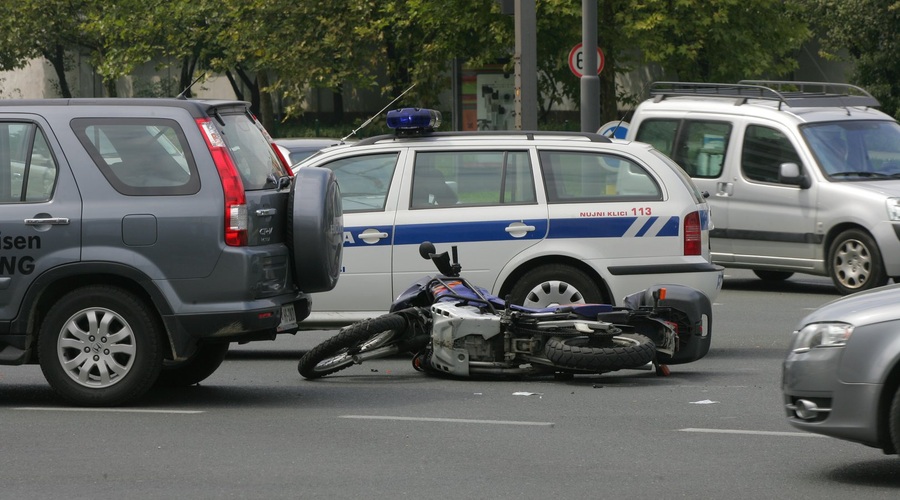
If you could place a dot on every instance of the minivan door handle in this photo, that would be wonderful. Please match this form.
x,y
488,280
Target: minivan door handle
x,y
724,188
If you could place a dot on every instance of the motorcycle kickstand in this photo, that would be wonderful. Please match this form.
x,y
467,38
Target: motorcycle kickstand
x,y
661,369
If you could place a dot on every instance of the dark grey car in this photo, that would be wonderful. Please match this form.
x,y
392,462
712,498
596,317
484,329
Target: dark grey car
x,y
139,237
842,375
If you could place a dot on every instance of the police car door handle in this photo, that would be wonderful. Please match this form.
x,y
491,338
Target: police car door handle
x,y
518,227
380,235
54,221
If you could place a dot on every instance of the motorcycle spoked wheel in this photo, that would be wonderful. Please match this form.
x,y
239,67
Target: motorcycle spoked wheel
x,y
336,353
600,354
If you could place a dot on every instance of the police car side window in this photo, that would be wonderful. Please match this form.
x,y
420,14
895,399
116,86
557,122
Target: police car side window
x,y
472,178
763,151
27,168
579,177
364,180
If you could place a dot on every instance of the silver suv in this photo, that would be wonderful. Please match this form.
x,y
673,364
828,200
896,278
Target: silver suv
x,y
802,177
139,237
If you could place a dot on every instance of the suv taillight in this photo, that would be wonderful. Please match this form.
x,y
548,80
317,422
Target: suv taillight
x,y
236,221
693,237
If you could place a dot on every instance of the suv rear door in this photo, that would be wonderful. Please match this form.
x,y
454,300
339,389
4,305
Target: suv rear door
x,y
40,222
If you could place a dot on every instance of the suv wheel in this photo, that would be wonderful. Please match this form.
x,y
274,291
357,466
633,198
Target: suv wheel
x,y
555,284
100,346
854,262
195,369
315,230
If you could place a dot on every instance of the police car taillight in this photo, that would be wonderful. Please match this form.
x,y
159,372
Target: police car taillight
x,y
236,219
693,237
413,120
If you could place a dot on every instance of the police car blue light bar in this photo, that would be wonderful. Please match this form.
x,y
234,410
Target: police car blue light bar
x,y
413,119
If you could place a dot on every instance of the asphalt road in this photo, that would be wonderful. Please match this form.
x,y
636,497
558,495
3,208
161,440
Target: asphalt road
x,y
256,429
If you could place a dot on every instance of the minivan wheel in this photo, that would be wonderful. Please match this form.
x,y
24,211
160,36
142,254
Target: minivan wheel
x,y
772,275
100,346
315,229
555,284
855,262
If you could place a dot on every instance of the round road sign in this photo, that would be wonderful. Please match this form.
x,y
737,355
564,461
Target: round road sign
x,y
576,60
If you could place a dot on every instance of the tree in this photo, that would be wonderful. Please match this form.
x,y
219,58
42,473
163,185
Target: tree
x,y
864,32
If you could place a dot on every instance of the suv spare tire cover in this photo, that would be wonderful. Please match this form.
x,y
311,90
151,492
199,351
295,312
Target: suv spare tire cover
x,y
315,229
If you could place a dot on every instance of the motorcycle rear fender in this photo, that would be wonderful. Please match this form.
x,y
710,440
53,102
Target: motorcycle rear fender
x,y
694,321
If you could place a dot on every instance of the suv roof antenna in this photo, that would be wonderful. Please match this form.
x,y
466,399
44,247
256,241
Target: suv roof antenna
x,y
357,129
183,94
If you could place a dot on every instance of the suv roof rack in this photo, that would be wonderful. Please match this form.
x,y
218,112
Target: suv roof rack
x,y
794,94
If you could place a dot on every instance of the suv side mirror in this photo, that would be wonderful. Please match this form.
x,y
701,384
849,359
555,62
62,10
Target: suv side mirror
x,y
790,173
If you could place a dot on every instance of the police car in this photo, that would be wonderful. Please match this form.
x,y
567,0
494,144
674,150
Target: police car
x,y
539,217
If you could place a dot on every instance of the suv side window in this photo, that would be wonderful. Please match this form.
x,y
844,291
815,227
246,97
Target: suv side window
x,y
472,178
574,176
364,180
27,167
699,148
140,156
764,150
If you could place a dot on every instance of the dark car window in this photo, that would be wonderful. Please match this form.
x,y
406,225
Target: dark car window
x,y
698,146
251,151
27,168
140,156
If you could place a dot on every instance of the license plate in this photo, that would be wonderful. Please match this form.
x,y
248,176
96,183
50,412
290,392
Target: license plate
x,y
288,318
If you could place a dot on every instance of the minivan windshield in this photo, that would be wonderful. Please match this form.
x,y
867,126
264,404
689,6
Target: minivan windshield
x,y
856,149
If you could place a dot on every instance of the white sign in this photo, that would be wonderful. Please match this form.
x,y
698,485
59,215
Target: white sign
x,y
576,60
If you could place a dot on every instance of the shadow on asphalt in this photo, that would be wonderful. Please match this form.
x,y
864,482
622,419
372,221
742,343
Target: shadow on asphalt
x,y
794,285
874,473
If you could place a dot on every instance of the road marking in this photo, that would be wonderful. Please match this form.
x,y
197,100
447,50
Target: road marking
x,y
756,433
108,410
450,420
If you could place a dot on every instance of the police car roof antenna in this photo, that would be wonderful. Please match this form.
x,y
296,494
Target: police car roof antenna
x,y
357,129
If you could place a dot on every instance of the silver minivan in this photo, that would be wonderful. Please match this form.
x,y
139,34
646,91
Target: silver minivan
x,y
801,177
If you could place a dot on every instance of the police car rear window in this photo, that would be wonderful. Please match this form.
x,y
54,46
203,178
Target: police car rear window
x,y
578,177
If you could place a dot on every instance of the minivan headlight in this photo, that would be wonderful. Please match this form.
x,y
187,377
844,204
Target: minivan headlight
x,y
893,208
821,335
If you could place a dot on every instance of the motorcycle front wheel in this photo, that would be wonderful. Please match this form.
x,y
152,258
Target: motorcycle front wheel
x,y
600,354
337,353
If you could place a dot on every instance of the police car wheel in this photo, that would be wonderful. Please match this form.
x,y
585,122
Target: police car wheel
x,y
100,346
555,284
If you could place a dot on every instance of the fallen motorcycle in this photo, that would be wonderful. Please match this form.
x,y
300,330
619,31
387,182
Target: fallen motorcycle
x,y
453,327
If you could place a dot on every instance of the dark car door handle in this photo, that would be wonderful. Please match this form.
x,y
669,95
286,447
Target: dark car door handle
x,y
56,221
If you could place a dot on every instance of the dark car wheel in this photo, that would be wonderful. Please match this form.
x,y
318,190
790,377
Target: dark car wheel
x,y
100,346
315,232
193,370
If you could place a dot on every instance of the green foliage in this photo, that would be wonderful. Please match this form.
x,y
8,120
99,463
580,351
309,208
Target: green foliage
x,y
864,32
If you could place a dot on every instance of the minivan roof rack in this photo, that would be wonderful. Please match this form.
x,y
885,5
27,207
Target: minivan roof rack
x,y
794,94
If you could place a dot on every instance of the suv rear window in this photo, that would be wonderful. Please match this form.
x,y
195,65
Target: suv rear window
x,y
251,151
140,156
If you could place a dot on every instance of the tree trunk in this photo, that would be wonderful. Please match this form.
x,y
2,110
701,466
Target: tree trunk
x,y
58,61
266,107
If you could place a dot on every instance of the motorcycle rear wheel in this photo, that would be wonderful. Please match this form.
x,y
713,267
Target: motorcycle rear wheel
x,y
597,355
336,353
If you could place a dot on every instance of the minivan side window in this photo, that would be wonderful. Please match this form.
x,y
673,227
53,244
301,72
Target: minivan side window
x,y
27,168
143,157
699,146
472,178
364,180
592,177
763,152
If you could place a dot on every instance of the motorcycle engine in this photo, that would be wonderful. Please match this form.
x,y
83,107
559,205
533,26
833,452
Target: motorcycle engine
x,y
462,333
